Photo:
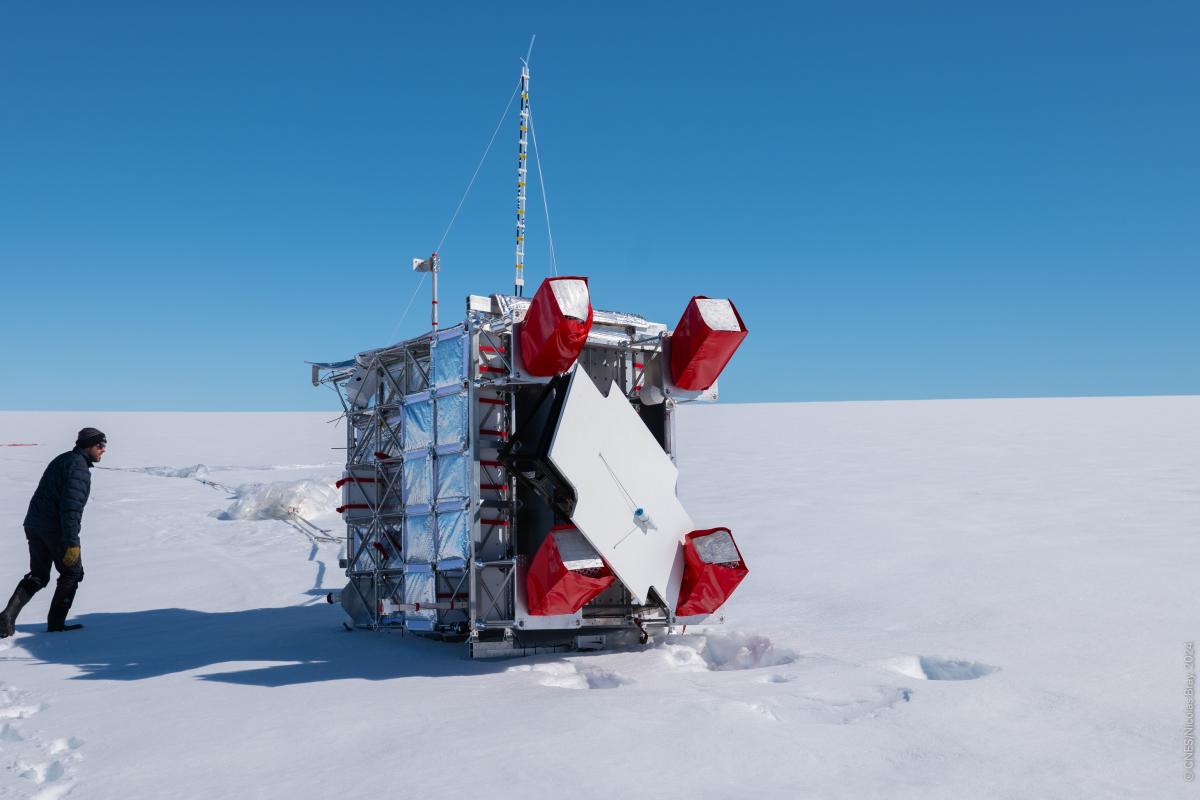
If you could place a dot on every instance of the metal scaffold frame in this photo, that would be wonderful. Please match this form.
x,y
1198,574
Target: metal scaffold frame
x,y
478,598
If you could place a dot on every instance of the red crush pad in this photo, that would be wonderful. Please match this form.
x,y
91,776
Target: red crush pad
x,y
364,491
712,569
556,325
565,574
708,333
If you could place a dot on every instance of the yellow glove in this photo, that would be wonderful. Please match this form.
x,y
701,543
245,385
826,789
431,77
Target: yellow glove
x,y
71,558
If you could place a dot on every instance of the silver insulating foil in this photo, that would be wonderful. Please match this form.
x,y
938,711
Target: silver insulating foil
x,y
575,551
718,314
716,548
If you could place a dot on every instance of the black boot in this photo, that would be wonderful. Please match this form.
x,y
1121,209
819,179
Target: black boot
x,y
60,605
26,589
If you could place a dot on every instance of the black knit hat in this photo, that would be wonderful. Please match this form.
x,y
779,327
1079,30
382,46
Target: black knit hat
x,y
90,437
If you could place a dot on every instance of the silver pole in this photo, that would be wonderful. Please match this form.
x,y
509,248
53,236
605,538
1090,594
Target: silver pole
x,y
435,266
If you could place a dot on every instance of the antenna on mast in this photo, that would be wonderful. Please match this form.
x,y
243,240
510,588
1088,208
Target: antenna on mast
x,y
432,265
522,171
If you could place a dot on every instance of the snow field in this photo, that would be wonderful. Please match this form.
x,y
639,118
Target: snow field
x,y
946,599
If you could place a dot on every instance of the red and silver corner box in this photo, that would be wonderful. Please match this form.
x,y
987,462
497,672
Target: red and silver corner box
x,y
713,567
565,573
556,326
706,337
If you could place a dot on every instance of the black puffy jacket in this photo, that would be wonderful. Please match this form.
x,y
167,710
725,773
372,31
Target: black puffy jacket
x,y
56,510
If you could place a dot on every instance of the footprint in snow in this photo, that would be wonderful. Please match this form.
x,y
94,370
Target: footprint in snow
x,y
847,710
65,745
26,758
777,677
834,706
44,772
933,668
14,704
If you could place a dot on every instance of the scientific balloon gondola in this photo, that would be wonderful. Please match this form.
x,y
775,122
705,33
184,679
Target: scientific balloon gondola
x,y
510,479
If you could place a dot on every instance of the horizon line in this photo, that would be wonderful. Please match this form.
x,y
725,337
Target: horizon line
x,y
940,399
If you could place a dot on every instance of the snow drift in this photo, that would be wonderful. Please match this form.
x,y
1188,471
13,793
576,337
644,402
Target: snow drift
x,y
282,499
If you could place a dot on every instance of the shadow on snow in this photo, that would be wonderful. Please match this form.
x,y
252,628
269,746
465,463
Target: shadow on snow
x,y
310,640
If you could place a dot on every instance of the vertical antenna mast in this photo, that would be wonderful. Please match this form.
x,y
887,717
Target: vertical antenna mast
x,y
522,152
433,265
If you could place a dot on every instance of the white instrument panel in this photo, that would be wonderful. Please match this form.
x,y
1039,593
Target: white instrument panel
x,y
616,467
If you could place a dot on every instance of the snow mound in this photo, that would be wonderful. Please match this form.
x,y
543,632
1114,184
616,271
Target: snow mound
x,y
281,500
723,651
194,471
567,675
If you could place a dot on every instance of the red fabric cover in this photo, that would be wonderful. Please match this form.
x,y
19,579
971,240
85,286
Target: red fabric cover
x,y
698,353
706,587
550,340
551,588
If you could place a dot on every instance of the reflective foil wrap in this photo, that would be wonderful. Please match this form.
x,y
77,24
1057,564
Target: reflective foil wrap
x,y
713,568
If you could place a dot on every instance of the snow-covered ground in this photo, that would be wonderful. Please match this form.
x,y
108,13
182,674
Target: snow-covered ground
x,y
947,599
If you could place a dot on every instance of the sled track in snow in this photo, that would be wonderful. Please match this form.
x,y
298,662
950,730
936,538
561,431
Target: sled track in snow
x,y
313,532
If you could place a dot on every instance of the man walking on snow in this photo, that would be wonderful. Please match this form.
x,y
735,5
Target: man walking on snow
x,y
52,530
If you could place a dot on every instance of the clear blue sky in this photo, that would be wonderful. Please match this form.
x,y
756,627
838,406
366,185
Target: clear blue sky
x,y
905,199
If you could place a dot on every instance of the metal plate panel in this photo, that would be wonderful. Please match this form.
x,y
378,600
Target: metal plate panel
x,y
548,622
